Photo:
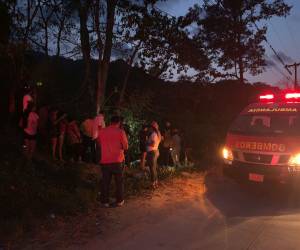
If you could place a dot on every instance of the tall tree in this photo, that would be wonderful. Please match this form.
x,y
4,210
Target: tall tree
x,y
157,44
46,12
105,55
229,30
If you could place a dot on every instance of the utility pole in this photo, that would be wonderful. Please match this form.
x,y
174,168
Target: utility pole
x,y
295,65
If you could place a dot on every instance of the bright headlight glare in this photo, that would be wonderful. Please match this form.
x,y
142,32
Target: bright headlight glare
x,y
227,154
294,160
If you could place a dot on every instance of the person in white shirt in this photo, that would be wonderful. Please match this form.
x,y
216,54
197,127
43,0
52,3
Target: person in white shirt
x,y
30,126
153,142
98,124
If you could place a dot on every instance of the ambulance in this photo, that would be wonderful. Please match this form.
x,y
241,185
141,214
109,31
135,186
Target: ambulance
x,y
263,142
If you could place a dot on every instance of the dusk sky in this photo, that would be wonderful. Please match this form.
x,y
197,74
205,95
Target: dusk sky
x,y
283,34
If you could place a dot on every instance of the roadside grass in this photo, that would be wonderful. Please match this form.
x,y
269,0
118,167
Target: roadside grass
x,y
137,181
31,193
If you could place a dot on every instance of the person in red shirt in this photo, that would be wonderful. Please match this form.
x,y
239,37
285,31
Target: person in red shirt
x,y
112,141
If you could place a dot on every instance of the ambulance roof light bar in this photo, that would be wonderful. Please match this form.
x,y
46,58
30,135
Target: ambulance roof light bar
x,y
266,97
294,95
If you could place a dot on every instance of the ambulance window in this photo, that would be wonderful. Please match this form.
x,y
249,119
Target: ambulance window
x,y
266,125
261,121
241,124
280,124
294,124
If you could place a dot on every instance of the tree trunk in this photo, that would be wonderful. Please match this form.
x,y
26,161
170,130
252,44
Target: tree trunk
x,y
104,64
241,69
46,40
59,34
85,42
58,42
241,52
100,53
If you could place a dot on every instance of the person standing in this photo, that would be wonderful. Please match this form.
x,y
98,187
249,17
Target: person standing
x,y
166,145
74,139
153,142
28,97
176,147
143,137
43,113
63,123
127,131
98,124
53,131
113,142
86,128
30,130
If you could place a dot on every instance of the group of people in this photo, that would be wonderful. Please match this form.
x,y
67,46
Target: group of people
x,y
170,148
66,137
92,141
113,143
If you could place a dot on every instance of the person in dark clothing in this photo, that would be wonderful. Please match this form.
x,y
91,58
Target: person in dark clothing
x,y
113,142
126,129
166,145
143,137
53,130
89,146
74,140
153,142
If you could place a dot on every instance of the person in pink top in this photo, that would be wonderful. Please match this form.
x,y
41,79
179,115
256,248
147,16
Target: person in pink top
x,y
112,141
28,97
31,120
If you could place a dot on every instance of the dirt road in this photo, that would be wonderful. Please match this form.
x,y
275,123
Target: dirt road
x,y
198,212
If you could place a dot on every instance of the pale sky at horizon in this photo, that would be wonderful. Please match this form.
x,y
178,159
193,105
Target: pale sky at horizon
x,y
283,34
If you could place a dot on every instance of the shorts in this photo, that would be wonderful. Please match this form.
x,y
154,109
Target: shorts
x,y
54,132
29,137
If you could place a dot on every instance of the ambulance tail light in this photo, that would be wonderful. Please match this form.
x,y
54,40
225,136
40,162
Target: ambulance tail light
x,y
292,96
268,97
